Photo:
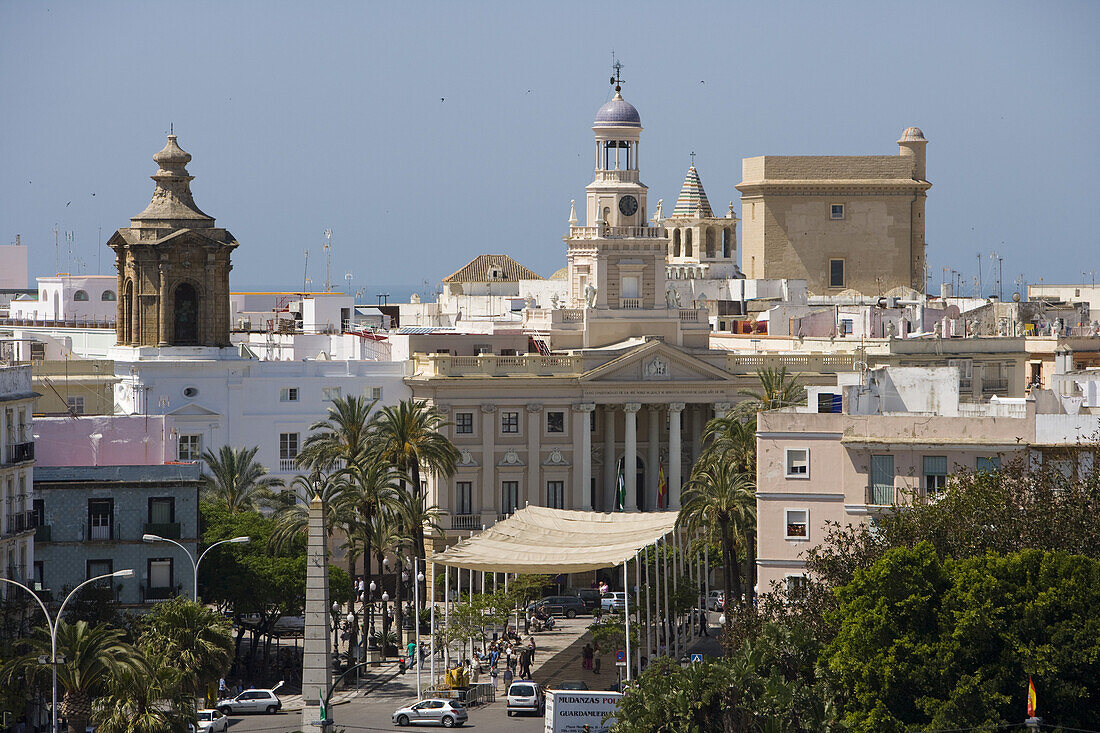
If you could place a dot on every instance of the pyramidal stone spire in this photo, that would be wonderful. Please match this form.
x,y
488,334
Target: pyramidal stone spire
x,y
172,204
693,199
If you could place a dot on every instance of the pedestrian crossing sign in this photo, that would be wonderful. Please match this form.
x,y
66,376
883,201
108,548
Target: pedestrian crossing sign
x,y
696,658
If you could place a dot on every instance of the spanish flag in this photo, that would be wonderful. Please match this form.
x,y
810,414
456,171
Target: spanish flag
x,y
662,487
1032,700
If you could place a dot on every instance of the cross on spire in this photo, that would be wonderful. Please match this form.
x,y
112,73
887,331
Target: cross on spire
x,y
692,158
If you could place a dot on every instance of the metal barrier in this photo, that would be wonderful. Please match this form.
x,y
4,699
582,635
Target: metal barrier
x,y
478,693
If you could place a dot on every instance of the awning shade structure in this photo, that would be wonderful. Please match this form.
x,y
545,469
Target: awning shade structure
x,y
540,540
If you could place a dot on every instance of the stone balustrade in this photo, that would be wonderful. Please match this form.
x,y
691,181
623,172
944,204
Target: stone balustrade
x,y
492,365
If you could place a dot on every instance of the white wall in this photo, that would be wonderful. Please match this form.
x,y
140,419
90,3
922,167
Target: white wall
x,y
57,299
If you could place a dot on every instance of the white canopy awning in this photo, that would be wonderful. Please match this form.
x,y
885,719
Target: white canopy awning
x,y
540,540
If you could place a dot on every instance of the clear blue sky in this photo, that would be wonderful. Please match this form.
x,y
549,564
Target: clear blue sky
x,y
424,134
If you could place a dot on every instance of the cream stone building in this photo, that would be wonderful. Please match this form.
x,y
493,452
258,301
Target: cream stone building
x,y
839,222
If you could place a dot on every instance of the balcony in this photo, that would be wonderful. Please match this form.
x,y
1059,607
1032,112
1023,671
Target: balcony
x,y
101,530
167,530
881,495
154,593
18,522
288,465
20,452
630,303
465,521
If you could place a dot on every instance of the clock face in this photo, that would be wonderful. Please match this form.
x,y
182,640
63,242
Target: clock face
x,y
628,205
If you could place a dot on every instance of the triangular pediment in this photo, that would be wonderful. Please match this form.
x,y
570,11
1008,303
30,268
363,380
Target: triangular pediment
x,y
191,409
656,362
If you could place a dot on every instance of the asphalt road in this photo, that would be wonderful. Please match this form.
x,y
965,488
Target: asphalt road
x,y
372,713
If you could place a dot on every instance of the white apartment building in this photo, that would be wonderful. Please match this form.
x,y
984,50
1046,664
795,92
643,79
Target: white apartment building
x,y
16,477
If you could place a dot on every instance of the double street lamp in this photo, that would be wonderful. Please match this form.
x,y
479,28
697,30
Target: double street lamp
x,y
52,625
194,562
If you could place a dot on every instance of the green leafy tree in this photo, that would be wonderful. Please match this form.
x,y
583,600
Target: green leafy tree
x,y
193,638
766,686
93,657
237,480
150,700
407,437
934,644
721,500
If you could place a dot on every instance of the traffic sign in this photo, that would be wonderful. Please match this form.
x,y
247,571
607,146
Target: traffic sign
x,y
696,658
620,664
620,656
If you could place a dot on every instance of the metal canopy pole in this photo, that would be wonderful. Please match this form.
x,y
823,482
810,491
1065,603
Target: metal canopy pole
x,y
638,606
447,614
626,615
664,572
648,612
431,642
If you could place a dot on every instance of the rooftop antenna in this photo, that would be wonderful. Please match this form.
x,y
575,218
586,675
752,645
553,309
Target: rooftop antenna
x,y
328,260
305,274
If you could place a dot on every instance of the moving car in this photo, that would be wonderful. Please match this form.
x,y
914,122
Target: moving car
x,y
613,601
212,721
448,713
716,600
252,701
568,606
525,696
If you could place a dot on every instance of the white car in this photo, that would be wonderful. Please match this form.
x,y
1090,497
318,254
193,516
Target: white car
x,y
716,600
212,721
613,602
252,701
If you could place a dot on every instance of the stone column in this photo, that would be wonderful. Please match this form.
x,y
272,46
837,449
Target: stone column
x,y
609,473
721,409
696,433
317,655
162,307
136,335
630,461
534,441
653,448
120,302
585,411
674,454
489,504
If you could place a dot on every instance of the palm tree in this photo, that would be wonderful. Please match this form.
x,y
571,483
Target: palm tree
x,y
155,700
777,389
719,498
93,657
236,480
408,438
291,516
343,438
194,638
382,532
734,438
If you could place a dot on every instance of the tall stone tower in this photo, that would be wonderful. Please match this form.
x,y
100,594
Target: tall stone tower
x,y
173,266
616,261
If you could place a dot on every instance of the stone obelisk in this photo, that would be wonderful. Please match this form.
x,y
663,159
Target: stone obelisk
x,y
317,656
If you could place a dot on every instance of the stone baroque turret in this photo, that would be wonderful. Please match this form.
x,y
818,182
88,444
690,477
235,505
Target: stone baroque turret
x,y
173,265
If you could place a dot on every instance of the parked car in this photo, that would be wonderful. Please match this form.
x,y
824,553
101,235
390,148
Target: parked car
x,y
613,601
289,625
577,685
448,713
568,606
525,696
589,596
252,701
716,601
212,721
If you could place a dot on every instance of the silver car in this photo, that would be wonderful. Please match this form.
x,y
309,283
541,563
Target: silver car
x,y
448,713
251,701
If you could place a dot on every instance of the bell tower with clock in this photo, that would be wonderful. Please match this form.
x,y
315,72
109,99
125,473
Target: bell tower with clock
x,y
616,259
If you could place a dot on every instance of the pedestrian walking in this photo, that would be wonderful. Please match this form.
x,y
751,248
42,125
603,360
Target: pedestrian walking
x,y
223,689
531,648
586,657
596,659
508,677
525,665
493,672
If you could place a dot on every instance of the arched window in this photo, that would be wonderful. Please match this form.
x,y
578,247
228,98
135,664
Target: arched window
x,y
710,242
185,313
675,242
108,295
727,240
687,243
80,295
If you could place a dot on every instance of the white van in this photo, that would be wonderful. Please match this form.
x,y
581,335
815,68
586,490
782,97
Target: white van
x,y
525,696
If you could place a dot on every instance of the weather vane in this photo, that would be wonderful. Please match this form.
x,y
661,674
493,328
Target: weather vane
x,y
617,79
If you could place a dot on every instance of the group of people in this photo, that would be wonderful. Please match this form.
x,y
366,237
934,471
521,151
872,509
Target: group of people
x,y
508,658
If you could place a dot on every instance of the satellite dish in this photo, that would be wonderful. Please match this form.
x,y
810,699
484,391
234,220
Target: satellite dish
x,y
952,312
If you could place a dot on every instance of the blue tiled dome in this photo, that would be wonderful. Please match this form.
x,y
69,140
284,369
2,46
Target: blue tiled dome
x,y
618,113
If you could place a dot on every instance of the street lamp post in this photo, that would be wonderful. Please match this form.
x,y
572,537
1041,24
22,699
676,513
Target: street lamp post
x,y
416,621
52,625
370,637
335,627
194,562
385,622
